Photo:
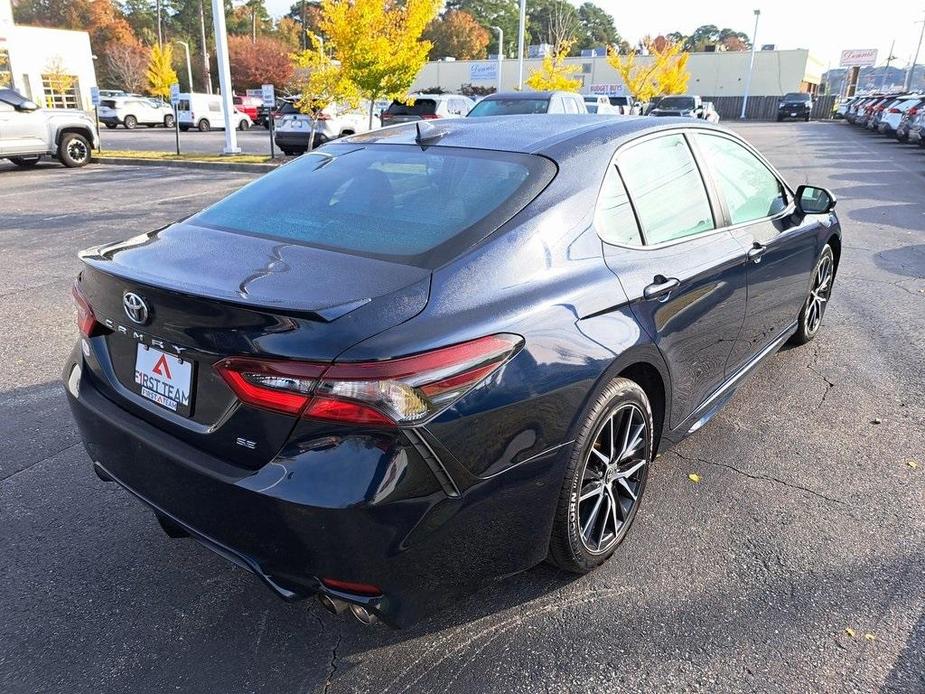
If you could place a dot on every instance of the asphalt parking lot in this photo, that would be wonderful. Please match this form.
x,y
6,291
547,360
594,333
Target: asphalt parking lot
x,y
256,140
807,522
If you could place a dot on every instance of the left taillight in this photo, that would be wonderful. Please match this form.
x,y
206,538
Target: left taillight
x,y
403,392
86,320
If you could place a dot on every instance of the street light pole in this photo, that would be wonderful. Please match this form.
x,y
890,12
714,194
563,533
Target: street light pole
x,y
908,85
189,66
500,53
224,75
889,59
520,44
751,65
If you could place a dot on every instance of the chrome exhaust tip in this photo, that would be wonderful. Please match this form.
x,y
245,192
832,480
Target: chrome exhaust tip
x,y
332,605
363,615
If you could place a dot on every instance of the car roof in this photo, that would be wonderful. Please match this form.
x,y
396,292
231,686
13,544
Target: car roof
x,y
534,134
529,95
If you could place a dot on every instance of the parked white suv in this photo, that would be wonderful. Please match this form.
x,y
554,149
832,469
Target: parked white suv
x,y
27,132
893,113
293,130
132,110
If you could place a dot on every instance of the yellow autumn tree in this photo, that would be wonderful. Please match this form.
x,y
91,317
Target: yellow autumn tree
x,y
663,72
378,43
60,81
322,82
555,74
160,70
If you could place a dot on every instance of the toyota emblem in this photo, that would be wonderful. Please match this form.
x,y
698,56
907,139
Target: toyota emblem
x,y
135,308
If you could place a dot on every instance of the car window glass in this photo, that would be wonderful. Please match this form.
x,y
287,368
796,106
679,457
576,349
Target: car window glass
x,y
613,217
750,189
666,188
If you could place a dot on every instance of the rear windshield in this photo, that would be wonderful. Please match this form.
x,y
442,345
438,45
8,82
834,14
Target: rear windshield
x,y
619,101
394,202
796,96
420,107
677,102
509,107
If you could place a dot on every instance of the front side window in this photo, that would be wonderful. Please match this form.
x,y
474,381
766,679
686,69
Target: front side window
x,y
666,188
750,189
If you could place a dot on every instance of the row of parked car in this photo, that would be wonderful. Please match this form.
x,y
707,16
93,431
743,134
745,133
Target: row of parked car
x,y
897,115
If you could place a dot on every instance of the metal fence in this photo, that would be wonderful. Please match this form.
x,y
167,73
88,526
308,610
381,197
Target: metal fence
x,y
765,107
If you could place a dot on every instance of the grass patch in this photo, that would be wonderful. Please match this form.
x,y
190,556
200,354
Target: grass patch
x,y
173,156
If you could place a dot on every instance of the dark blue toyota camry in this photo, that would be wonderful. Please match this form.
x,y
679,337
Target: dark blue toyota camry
x,y
426,357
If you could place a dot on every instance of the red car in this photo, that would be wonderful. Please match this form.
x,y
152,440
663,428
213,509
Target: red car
x,y
248,105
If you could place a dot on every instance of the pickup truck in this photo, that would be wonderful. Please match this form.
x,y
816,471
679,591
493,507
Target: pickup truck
x,y
27,132
685,106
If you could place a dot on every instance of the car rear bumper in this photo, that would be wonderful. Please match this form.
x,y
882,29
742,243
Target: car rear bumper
x,y
357,509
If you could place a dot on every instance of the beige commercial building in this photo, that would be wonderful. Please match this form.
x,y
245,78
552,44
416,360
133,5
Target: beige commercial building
x,y
53,67
712,74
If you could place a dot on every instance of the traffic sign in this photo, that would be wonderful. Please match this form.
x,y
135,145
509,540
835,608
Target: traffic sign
x,y
268,95
95,96
174,94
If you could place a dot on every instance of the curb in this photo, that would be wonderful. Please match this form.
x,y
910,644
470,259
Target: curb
x,y
179,164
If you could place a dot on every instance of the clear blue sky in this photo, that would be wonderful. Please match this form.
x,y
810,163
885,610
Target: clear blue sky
x,y
824,26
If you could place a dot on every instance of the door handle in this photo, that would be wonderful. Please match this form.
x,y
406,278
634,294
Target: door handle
x,y
660,288
755,252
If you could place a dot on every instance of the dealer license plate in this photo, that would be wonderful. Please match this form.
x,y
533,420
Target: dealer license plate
x,y
164,378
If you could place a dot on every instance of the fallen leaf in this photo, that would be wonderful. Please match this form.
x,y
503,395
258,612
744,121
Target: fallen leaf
x,y
869,637
876,420
694,477
849,631
912,464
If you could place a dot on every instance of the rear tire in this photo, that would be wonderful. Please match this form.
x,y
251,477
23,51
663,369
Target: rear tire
x,y
813,310
74,150
111,126
617,428
130,122
25,162
243,125
169,121
204,126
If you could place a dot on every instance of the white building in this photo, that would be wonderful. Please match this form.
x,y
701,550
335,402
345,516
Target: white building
x,y
711,74
53,67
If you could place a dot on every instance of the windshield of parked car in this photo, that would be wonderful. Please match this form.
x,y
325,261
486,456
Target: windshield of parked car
x,y
680,103
393,202
420,107
509,107
796,96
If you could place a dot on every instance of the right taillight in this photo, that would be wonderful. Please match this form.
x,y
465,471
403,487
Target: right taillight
x,y
404,391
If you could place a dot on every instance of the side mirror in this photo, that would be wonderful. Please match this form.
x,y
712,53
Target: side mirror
x,y
813,200
28,106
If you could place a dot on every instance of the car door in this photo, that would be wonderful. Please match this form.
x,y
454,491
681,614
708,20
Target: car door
x,y
683,274
781,248
22,132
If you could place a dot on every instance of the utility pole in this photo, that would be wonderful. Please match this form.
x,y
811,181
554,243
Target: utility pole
x,y
160,36
751,65
500,54
303,34
889,59
911,72
189,67
224,75
206,70
520,44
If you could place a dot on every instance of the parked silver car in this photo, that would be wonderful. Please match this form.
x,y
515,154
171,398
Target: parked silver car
x,y
27,132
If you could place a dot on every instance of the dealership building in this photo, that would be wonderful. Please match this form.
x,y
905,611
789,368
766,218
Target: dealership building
x,y
53,67
716,74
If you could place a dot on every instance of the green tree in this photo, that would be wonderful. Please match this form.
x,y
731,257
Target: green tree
x,y
596,27
493,13
554,22
323,82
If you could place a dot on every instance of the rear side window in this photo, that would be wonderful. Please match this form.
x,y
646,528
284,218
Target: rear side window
x,y
666,188
420,107
393,202
613,217
749,188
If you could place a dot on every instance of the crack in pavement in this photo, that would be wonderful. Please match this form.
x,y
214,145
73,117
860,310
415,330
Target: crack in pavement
x,y
38,462
765,478
332,669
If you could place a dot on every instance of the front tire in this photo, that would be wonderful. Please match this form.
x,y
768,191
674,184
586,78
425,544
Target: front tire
x,y
169,121
25,162
818,299
74,150
130,122
204,126
605,478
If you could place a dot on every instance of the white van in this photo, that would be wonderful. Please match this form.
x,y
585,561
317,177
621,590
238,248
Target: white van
x,y
204,112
